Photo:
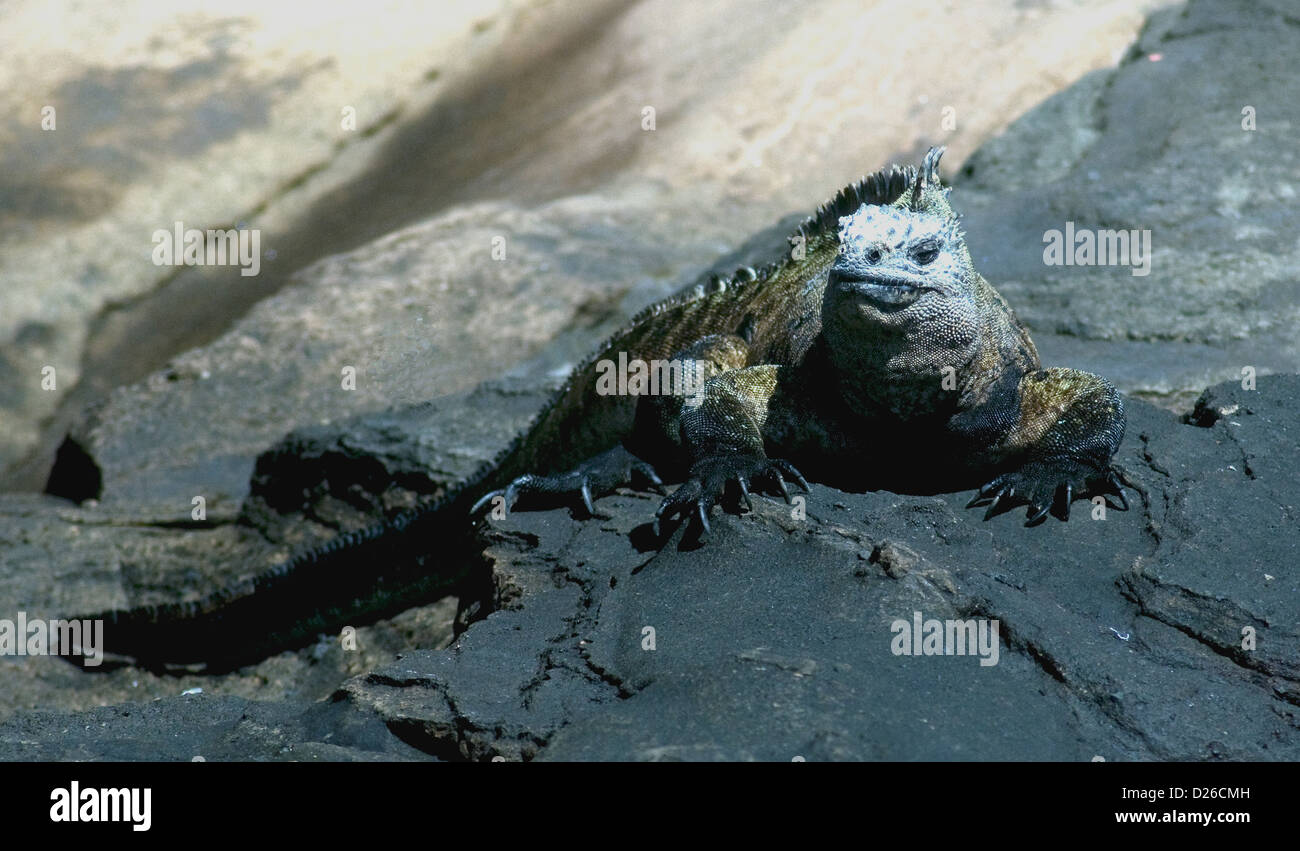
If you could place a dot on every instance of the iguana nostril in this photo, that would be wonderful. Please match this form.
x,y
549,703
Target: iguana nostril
x,y
873,255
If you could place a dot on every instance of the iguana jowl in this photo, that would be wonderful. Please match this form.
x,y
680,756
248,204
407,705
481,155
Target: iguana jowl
x,y
876,357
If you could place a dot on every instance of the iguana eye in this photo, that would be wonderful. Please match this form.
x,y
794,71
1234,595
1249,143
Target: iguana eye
x,y
925,253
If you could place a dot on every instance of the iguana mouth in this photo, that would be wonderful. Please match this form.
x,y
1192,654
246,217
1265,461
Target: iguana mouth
x,y
879,287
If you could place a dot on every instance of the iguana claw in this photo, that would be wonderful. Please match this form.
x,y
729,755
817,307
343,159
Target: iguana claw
x,y
1007,492
744,492
1058,480
1037,512
701,491
648,473
703,514
1114,481
785,468
597,477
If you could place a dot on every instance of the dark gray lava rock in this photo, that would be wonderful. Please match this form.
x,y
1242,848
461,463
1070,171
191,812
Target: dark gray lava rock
x,y
1120,632
199,727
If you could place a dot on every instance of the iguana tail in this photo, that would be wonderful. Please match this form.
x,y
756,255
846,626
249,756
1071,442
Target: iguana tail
x,y
355,578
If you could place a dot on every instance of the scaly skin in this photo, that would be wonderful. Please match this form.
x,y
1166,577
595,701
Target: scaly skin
x,y
878,357
912,370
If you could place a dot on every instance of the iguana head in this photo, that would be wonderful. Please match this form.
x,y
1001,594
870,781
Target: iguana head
x,y
892,258
903,256
903,275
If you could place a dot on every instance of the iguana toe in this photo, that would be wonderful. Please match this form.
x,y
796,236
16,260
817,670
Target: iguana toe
x,y
710,476
744,492
580,486
1046,484
1008,491
786,469
1037,513
1114,481
690,497
646,472
703,514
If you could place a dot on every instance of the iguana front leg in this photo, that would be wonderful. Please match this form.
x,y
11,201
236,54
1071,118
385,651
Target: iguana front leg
x,y
723,434
655,435
1070,423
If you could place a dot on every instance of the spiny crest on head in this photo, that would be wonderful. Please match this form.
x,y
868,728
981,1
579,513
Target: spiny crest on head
x,y
883,187
906,188
927,194
922,206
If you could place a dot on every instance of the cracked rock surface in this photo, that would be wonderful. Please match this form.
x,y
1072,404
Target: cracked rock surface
x,y
1121,634
1120,637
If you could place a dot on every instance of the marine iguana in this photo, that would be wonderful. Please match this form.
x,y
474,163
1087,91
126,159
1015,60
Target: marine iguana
x,y
873,355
